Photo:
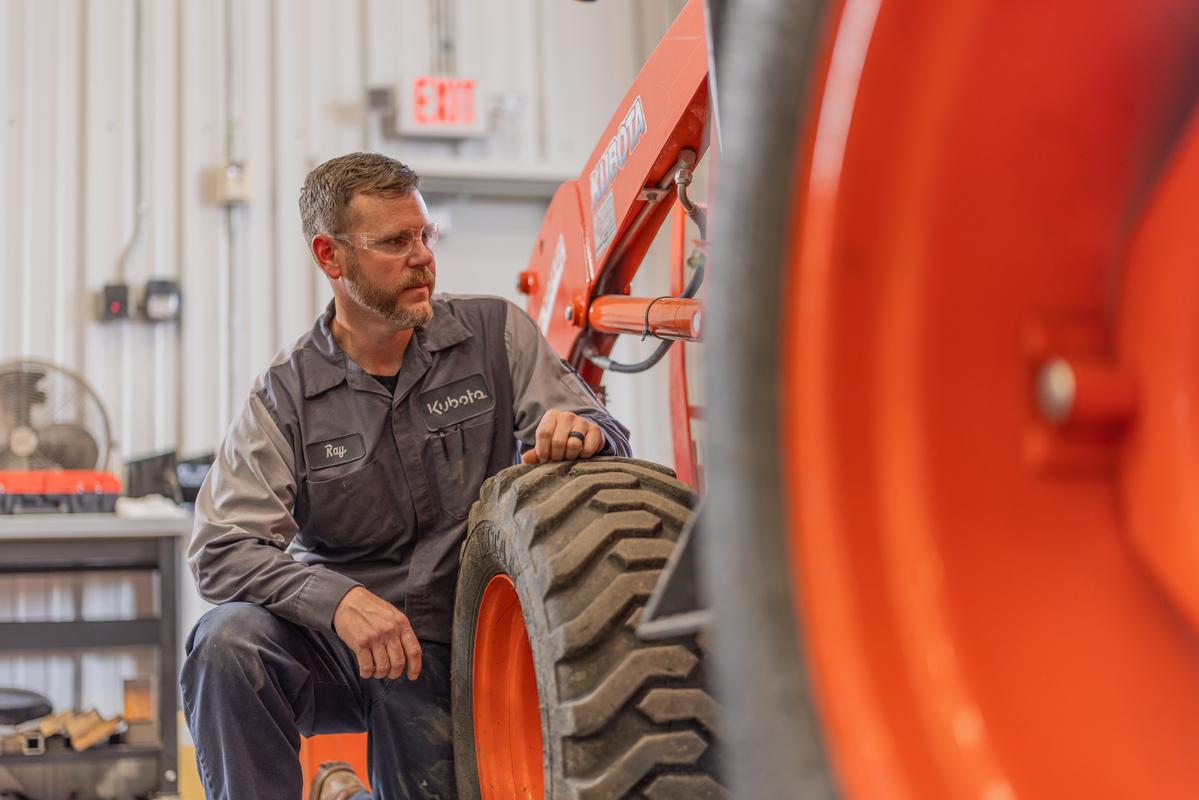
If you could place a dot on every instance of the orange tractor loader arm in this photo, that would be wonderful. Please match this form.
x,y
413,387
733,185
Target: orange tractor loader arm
x,y
600,225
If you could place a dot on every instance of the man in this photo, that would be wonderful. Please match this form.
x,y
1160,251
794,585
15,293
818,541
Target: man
x,y
330,525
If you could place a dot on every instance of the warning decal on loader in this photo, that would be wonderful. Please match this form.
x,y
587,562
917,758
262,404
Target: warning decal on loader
x,y
604,225
557,267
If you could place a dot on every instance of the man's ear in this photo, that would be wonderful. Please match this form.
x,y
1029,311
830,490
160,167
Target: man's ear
x,y
325,251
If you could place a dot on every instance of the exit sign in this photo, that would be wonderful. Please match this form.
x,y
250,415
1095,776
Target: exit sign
x,y
442,107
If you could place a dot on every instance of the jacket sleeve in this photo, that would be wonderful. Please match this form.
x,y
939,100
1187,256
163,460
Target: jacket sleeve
x,y
541,381
244,524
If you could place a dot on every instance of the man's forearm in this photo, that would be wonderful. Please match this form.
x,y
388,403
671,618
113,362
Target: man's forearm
x,y
242,569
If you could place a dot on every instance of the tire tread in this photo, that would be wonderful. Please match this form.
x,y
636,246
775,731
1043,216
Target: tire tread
x,y
588,541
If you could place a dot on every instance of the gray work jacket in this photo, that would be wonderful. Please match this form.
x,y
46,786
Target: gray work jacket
x,y
326,481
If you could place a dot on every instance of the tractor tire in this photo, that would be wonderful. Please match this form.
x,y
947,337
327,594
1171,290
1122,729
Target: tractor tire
x,y
760,671
583,544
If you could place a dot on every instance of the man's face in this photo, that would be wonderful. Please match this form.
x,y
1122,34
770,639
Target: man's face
x,y
396,288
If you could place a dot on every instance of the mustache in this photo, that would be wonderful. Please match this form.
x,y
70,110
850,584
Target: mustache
x,y
416,277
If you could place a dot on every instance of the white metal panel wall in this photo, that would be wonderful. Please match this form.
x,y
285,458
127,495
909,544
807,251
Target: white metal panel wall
x,y
281,85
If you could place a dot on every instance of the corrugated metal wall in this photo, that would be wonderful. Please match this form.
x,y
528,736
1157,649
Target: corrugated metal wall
x,y
112,114
92,110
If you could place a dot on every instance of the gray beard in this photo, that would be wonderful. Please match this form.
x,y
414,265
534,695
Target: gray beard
x,y
383,301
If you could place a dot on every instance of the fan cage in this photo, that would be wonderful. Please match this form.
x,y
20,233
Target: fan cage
x,y
50,419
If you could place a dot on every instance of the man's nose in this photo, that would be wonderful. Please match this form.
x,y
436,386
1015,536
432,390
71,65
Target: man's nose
x,y
421,254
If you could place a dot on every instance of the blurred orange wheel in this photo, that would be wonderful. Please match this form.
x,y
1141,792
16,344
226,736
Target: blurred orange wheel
x,y
979,620
929,581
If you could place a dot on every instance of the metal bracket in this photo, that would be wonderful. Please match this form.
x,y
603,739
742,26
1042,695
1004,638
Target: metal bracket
x,y
32,743
652,194
674,608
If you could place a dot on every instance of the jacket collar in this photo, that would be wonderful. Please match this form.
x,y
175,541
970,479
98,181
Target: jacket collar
x,y
444,330
325,365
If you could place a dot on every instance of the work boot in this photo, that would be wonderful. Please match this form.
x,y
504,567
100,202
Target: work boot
x,y
335,780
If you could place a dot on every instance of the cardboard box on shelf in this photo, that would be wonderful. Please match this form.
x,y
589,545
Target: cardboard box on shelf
x,y
141,733
139,700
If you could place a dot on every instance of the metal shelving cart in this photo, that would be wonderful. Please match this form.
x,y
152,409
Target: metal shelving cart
x,y
64,543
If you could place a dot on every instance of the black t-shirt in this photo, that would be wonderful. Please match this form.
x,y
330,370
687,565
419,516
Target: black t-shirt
x,y
389,381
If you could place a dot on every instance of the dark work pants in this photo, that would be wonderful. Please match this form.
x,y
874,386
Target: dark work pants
x,y
254,682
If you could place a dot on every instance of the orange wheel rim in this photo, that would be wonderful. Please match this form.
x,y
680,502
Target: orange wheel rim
x,y
978,615
506,711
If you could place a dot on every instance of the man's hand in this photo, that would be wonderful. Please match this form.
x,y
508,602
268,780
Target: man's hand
x,y
379,634
554,442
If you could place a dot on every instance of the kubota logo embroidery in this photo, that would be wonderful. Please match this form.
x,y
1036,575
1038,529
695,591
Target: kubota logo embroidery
x,y
455,402
467,398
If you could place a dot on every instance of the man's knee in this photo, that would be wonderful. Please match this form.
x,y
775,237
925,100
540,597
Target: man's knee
x,y
232,631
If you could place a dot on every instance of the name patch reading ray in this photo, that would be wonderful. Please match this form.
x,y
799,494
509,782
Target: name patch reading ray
x,y
332,452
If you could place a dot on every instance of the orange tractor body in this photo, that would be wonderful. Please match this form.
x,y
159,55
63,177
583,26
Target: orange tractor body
x,y
600,225
987,380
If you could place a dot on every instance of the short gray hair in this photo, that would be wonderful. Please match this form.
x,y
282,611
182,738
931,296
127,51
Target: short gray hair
x,y
328,189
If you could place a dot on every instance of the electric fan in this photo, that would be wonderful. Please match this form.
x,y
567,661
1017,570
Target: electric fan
x,y
55,441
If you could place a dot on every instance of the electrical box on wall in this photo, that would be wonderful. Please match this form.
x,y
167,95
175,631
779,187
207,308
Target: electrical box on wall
x,y
227,184
113,302
158,301
161,301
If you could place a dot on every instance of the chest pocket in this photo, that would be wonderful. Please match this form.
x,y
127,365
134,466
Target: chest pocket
x,y
351,510
459,455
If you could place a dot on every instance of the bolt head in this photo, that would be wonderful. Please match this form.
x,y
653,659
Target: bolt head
x,y
569,313
525,281
1056,389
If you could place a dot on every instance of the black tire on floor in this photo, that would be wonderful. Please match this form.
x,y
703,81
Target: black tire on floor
x,y
584,544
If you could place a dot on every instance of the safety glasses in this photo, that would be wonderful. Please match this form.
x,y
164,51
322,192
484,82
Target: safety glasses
x,y
396,244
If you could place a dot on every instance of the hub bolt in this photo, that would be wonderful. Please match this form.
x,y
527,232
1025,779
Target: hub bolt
x,y
1088,392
